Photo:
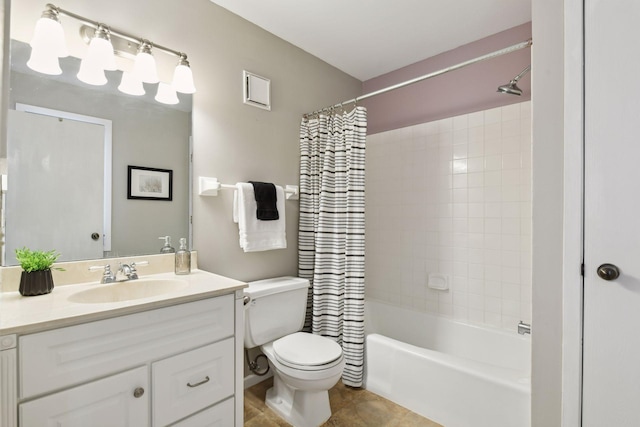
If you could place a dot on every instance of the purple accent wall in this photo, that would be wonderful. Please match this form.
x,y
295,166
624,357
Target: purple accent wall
x,y
463,91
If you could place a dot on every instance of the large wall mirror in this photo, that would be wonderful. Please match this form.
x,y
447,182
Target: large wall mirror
x,y
145,133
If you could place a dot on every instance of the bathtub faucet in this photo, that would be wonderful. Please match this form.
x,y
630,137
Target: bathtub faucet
x,y
524,328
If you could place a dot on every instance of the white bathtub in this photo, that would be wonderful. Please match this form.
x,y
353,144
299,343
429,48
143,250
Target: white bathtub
x,y
455,374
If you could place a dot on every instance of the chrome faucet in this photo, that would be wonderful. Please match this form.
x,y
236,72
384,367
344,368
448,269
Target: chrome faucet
x,y
524,328
126,272
107,275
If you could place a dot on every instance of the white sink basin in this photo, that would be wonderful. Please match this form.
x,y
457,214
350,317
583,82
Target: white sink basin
x,y
129,290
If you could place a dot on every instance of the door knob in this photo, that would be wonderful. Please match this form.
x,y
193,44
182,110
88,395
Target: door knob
x,y
608,272
138,392
95,236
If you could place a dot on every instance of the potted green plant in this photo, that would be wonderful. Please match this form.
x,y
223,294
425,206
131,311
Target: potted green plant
x,y
36,278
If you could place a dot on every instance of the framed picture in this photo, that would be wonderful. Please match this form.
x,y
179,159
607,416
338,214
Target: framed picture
x,y
149,183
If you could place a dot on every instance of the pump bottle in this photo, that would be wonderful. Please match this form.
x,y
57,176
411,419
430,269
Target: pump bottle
x,y
167,248
183,258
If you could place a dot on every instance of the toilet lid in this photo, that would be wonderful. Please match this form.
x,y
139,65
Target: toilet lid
x,y
304,349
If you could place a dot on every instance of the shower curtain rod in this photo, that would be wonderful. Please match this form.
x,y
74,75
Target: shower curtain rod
x,y
491,55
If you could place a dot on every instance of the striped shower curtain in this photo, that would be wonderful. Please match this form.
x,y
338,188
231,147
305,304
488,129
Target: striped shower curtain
x,y
331,231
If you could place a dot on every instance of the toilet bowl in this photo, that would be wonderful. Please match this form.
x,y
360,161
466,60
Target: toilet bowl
x,y
305,365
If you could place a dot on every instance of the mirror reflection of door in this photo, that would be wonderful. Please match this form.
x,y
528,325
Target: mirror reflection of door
x,y
58,211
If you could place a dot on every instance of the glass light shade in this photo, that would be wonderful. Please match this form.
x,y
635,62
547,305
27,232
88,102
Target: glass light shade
x,y
91,73
166,94
101,52
44,61
130,84
183,79
49,35
145,68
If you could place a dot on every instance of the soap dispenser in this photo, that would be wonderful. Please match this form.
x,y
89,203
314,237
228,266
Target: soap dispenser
x,y
183,258
167,248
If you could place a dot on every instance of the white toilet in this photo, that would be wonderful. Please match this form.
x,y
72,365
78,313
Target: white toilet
x,y
305,366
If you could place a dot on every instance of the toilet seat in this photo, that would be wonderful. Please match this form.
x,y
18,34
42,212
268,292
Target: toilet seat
x,y
307,352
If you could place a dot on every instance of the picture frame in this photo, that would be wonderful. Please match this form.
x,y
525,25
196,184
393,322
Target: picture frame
x,y
145,183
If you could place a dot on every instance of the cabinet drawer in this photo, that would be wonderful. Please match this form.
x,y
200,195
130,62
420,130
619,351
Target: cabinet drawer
x,y
64,357
220,415
108,402
191,381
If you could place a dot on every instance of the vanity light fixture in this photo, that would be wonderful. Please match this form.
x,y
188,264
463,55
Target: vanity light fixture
x,y
182,76
49,34
99,58
145,66
91,73
48,44
101,49
166,94
130,84
44,62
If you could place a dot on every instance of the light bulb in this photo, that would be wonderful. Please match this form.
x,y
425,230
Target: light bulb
x,y
145,65
101,49
48,34
130,84
91,73
44,61
166,94
183,77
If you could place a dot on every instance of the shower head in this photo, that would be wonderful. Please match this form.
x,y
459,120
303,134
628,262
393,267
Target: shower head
x,y
512,88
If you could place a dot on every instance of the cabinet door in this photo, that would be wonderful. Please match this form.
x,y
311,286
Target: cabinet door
x,y
220,415
109,402
189,382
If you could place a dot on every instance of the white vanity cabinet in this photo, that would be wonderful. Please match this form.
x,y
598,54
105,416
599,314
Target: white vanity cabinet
x,y
175,365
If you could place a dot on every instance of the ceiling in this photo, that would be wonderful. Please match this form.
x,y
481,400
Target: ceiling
x,y
368,38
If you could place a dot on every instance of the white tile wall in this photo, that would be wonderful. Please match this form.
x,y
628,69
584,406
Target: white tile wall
x,y
453,197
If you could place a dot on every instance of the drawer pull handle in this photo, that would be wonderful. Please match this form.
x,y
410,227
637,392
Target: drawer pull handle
x,y
138,392
206,380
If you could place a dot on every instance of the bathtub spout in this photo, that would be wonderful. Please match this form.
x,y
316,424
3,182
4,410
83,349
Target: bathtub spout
x,y
524,328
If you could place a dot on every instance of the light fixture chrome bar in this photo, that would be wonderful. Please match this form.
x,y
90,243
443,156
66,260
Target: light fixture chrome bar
x,y
114,32
491,55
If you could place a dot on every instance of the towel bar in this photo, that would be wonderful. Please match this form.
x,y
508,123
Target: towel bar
x,y
209,186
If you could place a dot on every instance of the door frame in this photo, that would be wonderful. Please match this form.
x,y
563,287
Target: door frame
x,y
573,221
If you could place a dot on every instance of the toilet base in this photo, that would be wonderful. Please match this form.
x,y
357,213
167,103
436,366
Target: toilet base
x,y
300,408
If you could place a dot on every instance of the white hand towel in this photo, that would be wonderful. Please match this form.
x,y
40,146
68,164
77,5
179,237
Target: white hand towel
x,y
235,205
257,235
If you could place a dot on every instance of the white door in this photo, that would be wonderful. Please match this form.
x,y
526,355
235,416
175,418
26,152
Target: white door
x,y
55,186
611,358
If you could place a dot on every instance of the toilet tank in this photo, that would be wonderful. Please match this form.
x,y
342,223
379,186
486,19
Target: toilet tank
x,y
276,308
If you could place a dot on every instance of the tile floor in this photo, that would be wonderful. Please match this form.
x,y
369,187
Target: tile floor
x,y
350,407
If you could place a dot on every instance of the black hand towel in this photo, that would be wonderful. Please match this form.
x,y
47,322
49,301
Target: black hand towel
x,y
265,194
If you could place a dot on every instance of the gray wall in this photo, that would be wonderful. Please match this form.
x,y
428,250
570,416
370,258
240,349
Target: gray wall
x,y
232,141
235,142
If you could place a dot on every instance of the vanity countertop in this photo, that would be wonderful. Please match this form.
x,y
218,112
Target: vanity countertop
x,y
20,314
